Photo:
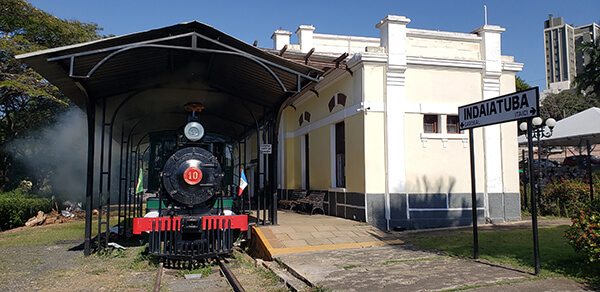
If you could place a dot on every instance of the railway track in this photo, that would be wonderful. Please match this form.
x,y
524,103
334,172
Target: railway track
x,y
229,275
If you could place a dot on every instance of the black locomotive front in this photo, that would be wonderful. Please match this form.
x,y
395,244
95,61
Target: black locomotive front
x,y
190,212
192,177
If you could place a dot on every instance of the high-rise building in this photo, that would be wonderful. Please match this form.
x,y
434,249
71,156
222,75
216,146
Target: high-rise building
x,y
562,60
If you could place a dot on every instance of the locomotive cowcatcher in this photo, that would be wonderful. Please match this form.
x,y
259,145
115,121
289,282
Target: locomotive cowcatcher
x,y
192,204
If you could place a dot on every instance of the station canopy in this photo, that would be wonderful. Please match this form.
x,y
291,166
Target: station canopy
x,y
148,77
574,130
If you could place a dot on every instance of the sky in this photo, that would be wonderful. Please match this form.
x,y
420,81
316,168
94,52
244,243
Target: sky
x,y
256,20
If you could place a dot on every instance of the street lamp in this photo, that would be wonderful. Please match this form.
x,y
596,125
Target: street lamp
x,y
539,132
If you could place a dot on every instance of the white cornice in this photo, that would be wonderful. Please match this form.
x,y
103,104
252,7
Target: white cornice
x,y
346,38
395,19
359,59
443,62
442,35
512,67
489,28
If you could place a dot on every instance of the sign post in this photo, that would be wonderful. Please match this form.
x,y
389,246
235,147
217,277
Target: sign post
x,y
519,105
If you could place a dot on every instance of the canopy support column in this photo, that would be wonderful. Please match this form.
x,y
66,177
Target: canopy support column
x,y
89,193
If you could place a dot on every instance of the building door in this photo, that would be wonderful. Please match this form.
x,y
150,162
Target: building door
x,y
306,164
340,155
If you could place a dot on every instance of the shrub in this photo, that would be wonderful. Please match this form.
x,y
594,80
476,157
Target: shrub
x,y
584,233
563,197
16,208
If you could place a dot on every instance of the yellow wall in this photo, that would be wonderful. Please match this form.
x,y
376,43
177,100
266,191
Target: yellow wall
x,y
430,169
319,137
355,154
293,173
435,168
318,106
374,141
319,159
374,131
442,87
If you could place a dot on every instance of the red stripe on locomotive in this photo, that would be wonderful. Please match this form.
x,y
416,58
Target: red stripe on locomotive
x,y
145,224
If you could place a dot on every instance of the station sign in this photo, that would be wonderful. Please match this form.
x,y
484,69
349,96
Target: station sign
x,y
266,148
505,108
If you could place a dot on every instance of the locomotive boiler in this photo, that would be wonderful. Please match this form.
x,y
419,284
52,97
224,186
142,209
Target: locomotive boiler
x,y
191,209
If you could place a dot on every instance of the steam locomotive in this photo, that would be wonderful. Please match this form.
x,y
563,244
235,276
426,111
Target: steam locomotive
x,y
192,212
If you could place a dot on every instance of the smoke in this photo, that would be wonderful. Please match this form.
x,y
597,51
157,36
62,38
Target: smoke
x,y
56,158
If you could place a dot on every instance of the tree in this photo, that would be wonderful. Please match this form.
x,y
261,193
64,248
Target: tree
x,y
520,84
589,79
564,104
27,101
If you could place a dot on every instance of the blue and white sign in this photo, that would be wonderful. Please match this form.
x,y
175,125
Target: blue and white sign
x,y
506,108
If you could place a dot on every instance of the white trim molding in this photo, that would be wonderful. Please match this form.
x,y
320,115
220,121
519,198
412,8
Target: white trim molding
x,y
328,120
444,137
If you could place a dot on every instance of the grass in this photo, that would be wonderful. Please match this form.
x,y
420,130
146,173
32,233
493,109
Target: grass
x,y
36,236
143,262
204,269
351,267
515,248
264,276
48,234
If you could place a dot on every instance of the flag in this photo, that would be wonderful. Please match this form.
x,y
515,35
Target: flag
x,y
140,184
243,182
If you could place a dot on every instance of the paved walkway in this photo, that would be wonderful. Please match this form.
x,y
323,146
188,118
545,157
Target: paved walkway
x,y
345,255
303,233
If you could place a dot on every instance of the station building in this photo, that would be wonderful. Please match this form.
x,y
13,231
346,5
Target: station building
x,y
380,135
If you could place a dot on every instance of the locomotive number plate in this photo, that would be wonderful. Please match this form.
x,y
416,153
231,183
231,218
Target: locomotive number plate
x,y
192,175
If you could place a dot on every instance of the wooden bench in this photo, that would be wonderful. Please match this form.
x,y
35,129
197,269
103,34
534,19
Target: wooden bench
x,y
294,199
315,201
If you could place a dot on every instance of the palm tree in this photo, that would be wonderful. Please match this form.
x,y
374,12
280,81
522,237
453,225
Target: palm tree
x,y
589,79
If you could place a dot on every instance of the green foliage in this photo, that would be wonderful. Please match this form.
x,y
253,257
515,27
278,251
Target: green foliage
x,y
584,233
36,29
351,267
144,262
203,269
564,197
16,208
589,79
27,101
564,104
520,84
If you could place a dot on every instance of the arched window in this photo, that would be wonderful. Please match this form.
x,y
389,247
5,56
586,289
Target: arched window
x,y
338,98
305,116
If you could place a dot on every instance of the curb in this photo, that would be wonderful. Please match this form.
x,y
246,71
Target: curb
x,y
287,276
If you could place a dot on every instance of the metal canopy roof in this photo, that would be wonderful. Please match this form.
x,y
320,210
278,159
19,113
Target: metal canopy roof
x,y
574,130
149,76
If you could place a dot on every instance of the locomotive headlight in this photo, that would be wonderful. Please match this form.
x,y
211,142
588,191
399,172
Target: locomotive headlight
x,y
193,131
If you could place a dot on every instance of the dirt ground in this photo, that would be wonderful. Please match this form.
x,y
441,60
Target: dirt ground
x,y
62,267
